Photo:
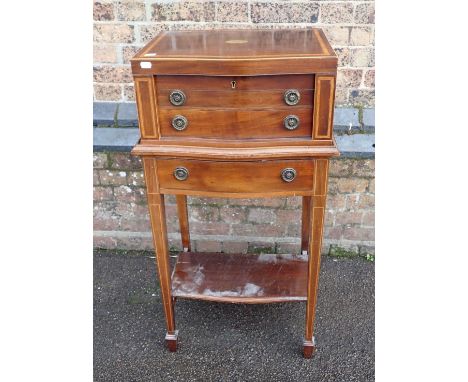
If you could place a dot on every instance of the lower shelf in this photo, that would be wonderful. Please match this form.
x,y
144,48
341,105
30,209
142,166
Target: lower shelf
x,y
238,278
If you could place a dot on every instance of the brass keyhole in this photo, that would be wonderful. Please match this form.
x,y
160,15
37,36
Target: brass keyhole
x,y
233,84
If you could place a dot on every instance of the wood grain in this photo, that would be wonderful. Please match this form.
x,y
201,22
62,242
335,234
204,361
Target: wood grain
x,y
236,146
236,124
237,278
324,105
250,83
234,177
236,99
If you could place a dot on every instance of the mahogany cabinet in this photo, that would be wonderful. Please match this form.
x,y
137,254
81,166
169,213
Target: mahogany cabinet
x,y
237,114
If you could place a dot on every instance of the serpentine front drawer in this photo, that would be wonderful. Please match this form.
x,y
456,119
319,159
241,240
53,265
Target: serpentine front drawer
x,y
285,177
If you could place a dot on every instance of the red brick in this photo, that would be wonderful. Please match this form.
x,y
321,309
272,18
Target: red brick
x,y
136,178
360,201
99,160
368,219
128,52
104,54
184,11
104,242
332,233
113,33
358,233
329,218
235,247
288,216
125,161
349,78
336,202
348,217
135,243
130,194
102,193
261,215
372,186
107,92
232,11
233,214
268,230
364,168
293,230
204,213
261,247
292,248
129,93
340,167
369,79
208,246
348,185
365,13
174,244
112,74
96,181
293,202
112,178
194,200
104,216
208,228
103,11
336,13
259,202
131,11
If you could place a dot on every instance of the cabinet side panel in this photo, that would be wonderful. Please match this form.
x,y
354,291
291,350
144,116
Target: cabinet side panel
x,y
146,104
324,103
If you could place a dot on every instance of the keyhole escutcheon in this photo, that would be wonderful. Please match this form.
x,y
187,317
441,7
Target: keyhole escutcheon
x,y
233,84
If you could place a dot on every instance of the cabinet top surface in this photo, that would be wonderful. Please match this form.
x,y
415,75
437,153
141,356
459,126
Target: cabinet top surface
x,y
240,44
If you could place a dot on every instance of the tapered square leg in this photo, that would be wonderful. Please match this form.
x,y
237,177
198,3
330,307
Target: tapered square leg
x,y
305,231
182,212
309,348
171,341
158,224
317,215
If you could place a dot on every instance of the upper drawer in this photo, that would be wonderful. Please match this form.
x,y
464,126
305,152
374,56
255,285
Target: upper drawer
x,y
235,98
297,81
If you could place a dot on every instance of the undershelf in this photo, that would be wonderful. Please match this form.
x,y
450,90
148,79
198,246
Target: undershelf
x,y
239,278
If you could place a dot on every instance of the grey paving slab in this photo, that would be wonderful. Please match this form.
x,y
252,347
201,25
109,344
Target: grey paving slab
x,y
344,117
368,117
230,342
356,146
114,139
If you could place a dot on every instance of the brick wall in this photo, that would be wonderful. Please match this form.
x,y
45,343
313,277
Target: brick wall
x,y
122,27
121,217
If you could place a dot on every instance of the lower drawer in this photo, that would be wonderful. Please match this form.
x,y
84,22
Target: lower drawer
x,y
285,177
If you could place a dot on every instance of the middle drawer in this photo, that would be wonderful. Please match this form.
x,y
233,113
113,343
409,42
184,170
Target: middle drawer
x,y
235,124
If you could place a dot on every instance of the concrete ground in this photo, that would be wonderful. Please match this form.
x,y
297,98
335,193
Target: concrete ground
x,y
228,342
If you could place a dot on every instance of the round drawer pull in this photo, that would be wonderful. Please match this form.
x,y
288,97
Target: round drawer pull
x,y
292,97
291,122
288,174
177,97
179,122
181,173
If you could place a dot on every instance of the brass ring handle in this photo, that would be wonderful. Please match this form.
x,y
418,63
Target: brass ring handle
x,y
177,97
179,122
181,173
288,174
292,97
291,122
